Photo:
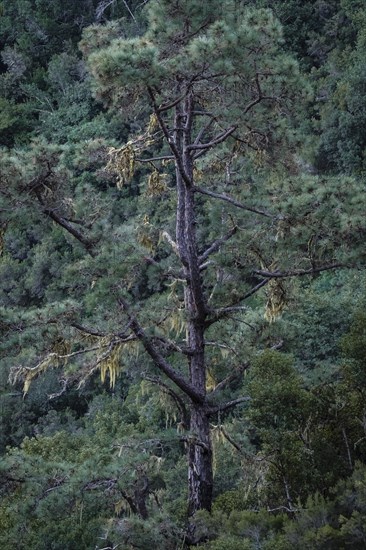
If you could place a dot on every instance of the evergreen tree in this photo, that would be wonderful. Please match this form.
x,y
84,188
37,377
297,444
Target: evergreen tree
x,y
144,237
216,86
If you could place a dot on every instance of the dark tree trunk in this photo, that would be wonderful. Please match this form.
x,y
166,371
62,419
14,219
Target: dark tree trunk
x,y
200,476
141,493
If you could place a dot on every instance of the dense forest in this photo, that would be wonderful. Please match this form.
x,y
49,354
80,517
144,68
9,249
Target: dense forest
x,y
182,274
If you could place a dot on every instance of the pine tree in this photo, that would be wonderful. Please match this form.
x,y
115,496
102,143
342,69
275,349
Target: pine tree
x,y
172,257
219,94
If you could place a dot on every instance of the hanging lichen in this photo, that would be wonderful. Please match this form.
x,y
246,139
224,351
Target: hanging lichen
x,y
147,236
29,374
122,163
122,507
217,439
211,382
162,398
2,235
197,174
276,300
153,124
176,322
110,364
275,289
62,349
156,184
283,229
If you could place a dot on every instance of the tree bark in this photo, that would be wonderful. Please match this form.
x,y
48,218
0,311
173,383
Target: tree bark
x,y
200,474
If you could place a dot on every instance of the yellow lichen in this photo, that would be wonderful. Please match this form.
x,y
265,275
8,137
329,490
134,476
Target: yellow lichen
x,y
122,163
156,184
276,300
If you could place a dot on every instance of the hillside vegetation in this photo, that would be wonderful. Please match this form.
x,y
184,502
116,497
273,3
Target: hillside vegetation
x,y
182,283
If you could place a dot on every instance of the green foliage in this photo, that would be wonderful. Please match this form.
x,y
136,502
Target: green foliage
x,y
342,116
93,466
70,484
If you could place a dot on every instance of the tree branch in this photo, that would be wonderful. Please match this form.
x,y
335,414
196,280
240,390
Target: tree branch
x,y
63,383
222,312
88,244
219,139
296,272
156,159
228,405
158,359
172,243
171,346
236,203
178,400
169,106
229,309
214,247
89,331
203,130
221,346
233,376
260,96
35,186
172,145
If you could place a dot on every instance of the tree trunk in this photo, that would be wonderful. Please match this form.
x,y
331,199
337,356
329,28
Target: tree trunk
x,y
200,475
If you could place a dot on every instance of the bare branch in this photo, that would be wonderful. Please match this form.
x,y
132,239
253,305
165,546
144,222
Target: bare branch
x,y
129,11
102,6
178,400
205,265
251,292
224,311
63,383
233,376
202,131
285,508
89,331
236,203
231,309
172,145
88,244
158,359
228,405
169,106
35,187
231,440
260,96
156,159
218,139
170,345
214,247
222,346
296,272
172,243
69,355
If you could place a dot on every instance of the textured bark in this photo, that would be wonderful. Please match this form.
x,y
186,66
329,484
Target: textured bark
x,y
184,152
200,474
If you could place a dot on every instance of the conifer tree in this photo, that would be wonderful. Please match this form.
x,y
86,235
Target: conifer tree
x,y
167,245
210,97
219,94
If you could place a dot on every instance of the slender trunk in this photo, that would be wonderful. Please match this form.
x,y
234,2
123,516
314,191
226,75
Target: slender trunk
x,y
348,449
141,493
200,475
